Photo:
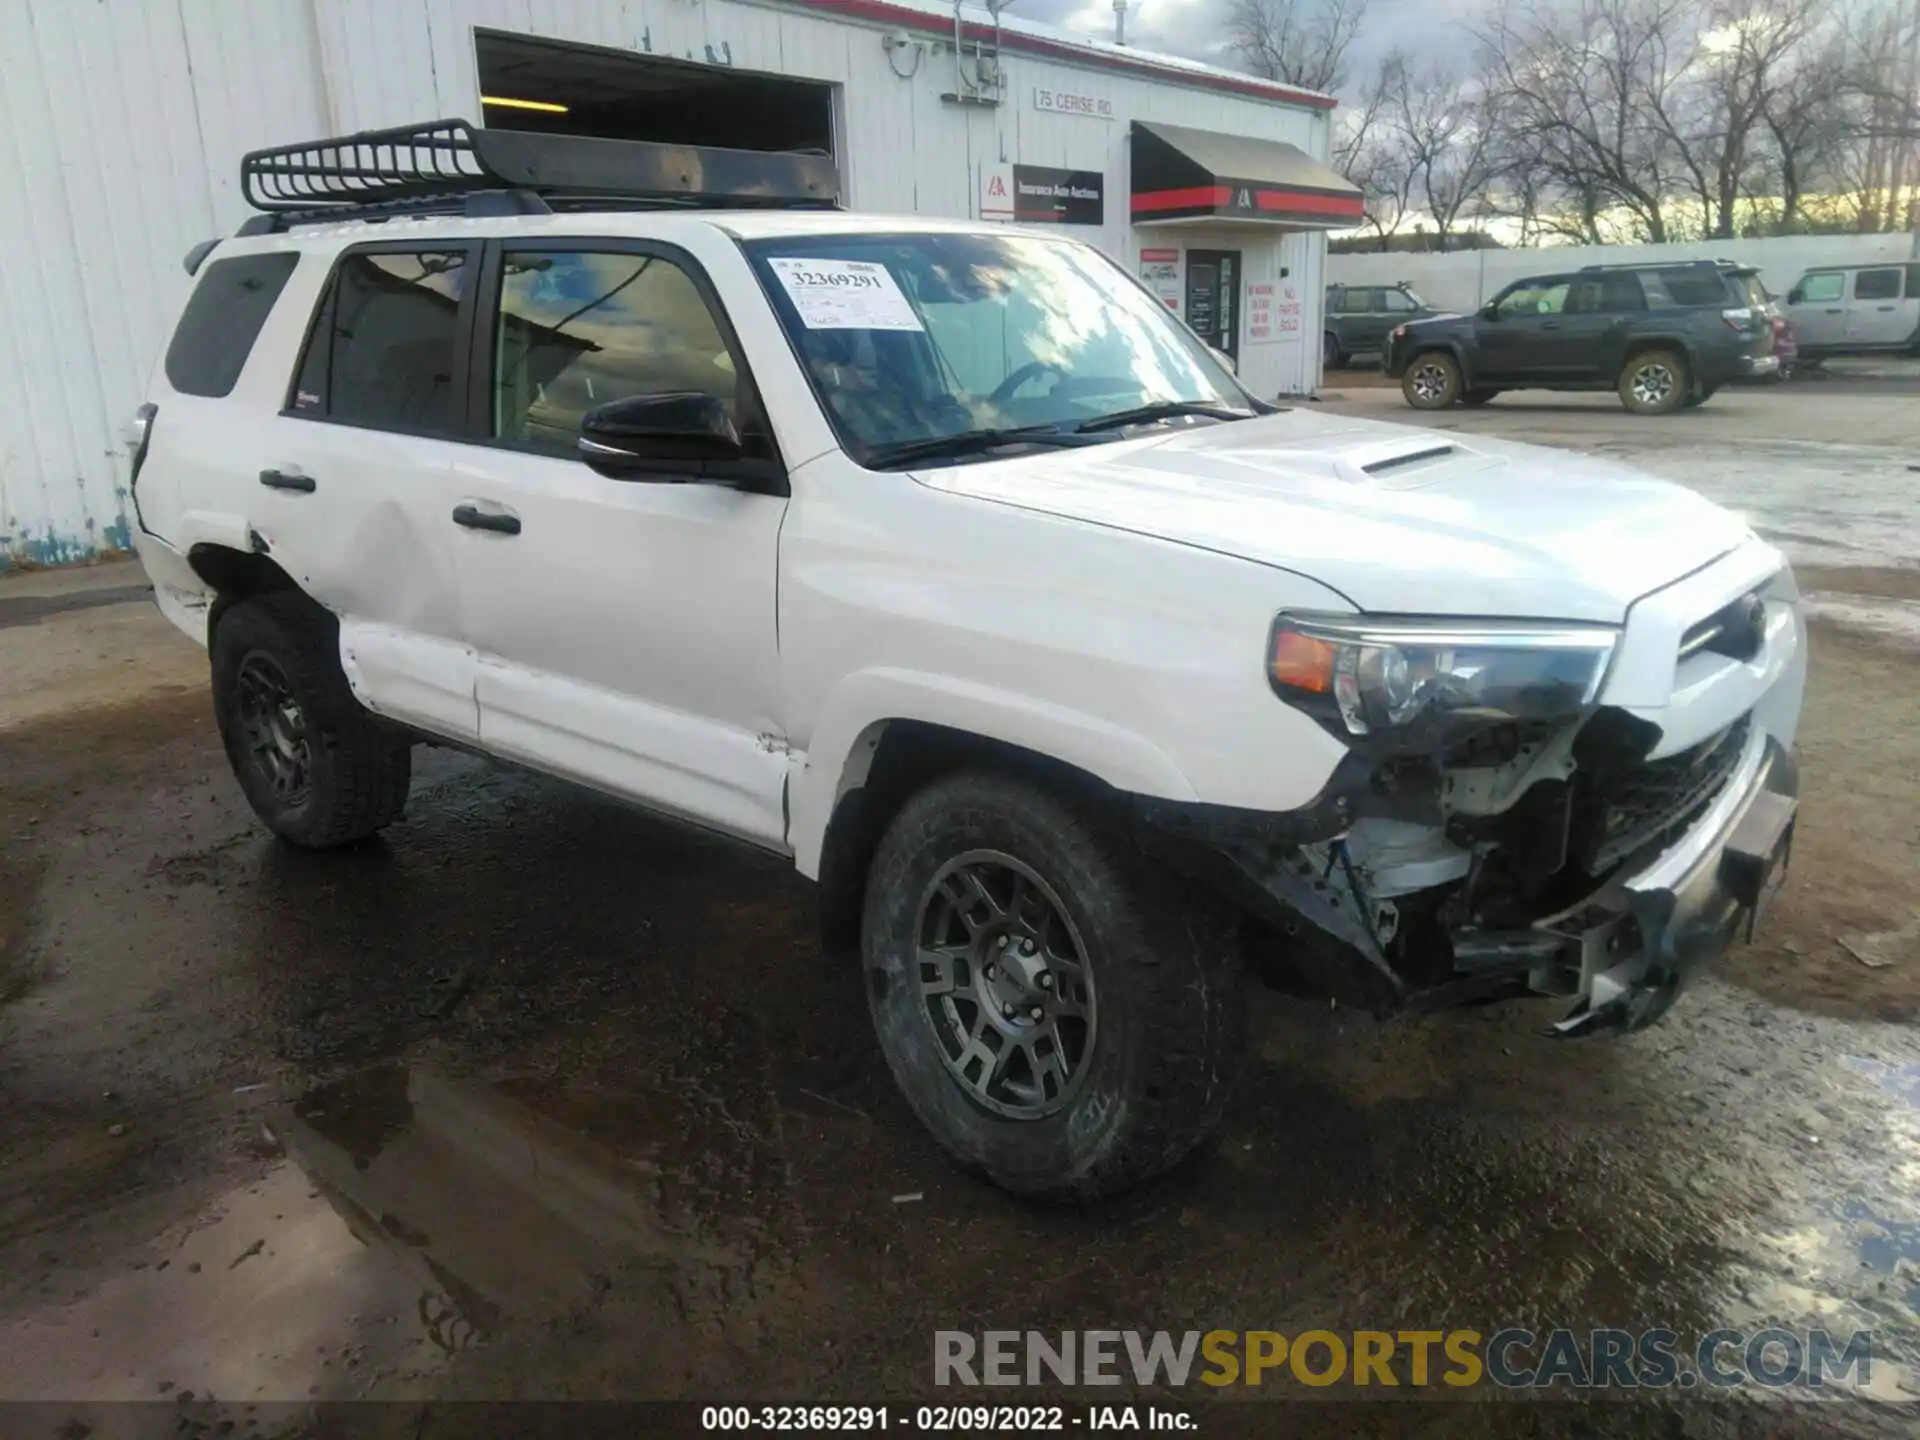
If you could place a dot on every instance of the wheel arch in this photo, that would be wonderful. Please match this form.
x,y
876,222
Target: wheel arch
x,y
1448,346
834,838
236,575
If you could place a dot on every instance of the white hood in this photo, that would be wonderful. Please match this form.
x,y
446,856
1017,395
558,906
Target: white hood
x,y
1398,520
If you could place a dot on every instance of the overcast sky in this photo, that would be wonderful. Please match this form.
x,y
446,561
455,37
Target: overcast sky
x,y
1197,28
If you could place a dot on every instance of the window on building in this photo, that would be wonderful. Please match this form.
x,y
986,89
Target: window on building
x,y
1822,288
222,320
1877,284
384,347
577,329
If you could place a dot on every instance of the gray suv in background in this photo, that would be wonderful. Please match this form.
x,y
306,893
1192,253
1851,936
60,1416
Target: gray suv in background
x,y
1360,317
1856,310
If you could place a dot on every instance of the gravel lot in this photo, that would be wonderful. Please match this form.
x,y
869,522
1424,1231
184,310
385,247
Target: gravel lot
x,y
540,1097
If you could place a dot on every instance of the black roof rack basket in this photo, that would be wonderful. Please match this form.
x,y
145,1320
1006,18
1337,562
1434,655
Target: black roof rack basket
x,y
446,166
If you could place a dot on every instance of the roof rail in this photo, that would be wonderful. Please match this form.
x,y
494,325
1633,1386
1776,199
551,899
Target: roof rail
x,y
1665,265
447,167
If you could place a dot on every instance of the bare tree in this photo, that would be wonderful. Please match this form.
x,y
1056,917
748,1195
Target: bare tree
x,y
1447,128
1302,42
1575,81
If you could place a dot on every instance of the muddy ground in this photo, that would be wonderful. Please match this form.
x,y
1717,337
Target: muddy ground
x,y
539,1097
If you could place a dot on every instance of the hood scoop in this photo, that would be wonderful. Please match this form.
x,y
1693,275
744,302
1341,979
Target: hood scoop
x,y
1412,457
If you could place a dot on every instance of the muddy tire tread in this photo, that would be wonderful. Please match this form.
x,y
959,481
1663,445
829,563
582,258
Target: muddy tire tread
x,y
363,767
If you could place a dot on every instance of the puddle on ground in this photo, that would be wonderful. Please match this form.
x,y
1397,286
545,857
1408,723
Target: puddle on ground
x,y
414,1218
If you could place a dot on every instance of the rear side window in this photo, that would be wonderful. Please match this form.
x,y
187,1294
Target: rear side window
x,y
1913,282
1689,288
1877,285
222,320
384,350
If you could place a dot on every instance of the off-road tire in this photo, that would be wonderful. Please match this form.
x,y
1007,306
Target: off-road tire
x,y
1651,373
1478,397
359,768
1166,968
1432,381
1332,357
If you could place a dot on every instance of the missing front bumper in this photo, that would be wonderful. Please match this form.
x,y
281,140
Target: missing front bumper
x,y
1626,952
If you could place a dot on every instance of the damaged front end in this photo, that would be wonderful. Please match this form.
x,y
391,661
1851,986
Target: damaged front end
x,y
1493,848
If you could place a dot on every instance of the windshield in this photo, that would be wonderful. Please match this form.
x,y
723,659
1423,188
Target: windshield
x,y
909,338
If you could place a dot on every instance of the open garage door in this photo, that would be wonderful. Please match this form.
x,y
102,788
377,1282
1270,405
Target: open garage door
x,y
533,84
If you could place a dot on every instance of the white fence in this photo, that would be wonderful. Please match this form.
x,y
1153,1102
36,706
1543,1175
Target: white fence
x,y
1465,279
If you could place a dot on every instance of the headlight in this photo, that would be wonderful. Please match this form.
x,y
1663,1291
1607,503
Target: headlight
x,y
1434,681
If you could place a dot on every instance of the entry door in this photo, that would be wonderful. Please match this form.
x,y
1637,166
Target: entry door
x,y
1876,313
625,629
1818,308
1213,298
356,484
1522,340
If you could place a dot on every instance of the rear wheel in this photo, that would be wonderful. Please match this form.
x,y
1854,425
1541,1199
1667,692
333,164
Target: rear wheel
x,y
1331,355
1432,381
1655,382
1478,397
1063,1017
317,768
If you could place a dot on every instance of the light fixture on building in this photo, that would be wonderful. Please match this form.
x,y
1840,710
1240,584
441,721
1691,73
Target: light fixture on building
x,y
546,106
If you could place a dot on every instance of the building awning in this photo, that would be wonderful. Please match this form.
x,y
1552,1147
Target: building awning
x,y
1185,176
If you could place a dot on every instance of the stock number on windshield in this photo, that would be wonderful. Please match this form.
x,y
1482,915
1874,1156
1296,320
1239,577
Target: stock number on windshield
x,y
834,279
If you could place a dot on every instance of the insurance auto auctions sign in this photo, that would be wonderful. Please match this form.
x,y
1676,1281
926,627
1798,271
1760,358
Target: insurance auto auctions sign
x,y
1045,196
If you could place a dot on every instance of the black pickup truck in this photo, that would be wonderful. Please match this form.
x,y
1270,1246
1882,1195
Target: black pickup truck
x,y
1662,336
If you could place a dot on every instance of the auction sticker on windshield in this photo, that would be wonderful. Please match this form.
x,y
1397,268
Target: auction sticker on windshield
x,y
845,295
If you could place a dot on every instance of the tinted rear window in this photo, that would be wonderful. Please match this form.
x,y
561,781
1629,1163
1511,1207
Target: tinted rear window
x,y
1877,285
222,320
1695,287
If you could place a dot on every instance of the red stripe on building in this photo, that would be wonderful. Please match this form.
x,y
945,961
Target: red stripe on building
x,y
1300,203
1205,197
879,10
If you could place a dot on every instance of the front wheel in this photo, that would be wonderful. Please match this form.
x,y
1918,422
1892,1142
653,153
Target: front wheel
x,y
1655,382
1432,381
1063,1017
316,767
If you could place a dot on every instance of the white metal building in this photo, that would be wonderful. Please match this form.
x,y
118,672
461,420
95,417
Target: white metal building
x,y
127,120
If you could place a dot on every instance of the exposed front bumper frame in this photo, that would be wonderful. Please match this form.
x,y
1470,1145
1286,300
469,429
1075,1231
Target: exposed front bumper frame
x,y
1644,936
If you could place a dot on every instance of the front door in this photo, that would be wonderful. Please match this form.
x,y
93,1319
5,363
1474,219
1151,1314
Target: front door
x,y
1877,315
625,629
1818,308
1213,298
1521,341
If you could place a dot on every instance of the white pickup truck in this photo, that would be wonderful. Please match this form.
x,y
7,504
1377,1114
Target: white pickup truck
x,y
940,558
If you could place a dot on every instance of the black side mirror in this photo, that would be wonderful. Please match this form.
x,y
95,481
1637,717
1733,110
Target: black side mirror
x,y
1794,297
668,434
1490,310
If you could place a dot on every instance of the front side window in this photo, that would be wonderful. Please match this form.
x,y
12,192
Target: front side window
x,y
1400,302
913,338
384,348
1547,296
577,329
1877,284
1824,287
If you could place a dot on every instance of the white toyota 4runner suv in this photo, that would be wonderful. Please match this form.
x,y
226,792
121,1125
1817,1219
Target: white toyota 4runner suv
x,y
940,558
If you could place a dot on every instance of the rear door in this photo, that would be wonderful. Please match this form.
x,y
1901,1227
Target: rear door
x,y
355,481
1818,308
1877,313
1588,343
